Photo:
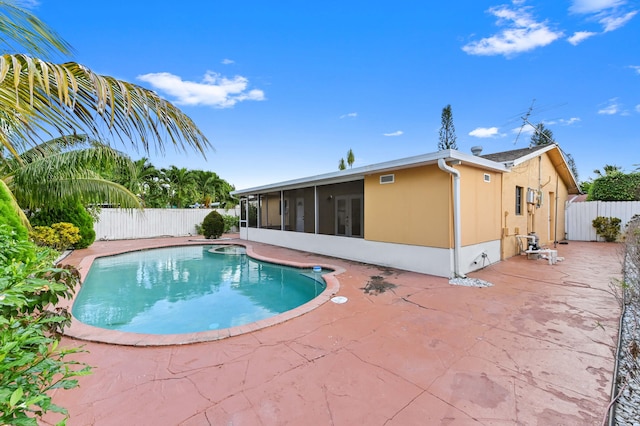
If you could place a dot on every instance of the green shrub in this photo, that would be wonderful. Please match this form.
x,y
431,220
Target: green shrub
x,y
31,364
607,227
615,187
230,222
74,213
213,225
9,216
59,236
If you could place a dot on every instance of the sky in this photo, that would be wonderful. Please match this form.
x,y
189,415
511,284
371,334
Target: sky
x,y
284,89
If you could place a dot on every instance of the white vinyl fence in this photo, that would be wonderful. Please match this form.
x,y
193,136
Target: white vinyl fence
x,y
123,224
580,215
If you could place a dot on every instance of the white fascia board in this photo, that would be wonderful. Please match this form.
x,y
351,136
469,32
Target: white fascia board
x,y
360,172
534,154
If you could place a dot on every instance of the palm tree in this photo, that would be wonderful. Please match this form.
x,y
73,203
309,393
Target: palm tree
x,y
609,170
65,168
182,183
208,185
139,178
225,198
41,97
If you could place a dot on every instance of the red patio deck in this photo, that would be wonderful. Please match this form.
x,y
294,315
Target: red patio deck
x,y
536,348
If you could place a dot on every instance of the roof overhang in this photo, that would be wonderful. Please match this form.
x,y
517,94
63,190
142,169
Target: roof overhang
x,y
359,173
561,165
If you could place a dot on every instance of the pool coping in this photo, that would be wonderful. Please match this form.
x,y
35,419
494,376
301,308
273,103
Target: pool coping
x,y
82,331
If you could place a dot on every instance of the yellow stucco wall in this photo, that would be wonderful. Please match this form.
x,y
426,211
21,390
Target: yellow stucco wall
x,y
415,209
480,205
542,218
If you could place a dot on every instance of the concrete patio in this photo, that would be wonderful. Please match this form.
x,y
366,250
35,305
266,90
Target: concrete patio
x,y
536,348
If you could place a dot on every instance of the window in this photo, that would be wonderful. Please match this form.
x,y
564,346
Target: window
x,y
487,177
519,193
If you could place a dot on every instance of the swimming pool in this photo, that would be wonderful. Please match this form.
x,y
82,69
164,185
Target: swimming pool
x,y
189,289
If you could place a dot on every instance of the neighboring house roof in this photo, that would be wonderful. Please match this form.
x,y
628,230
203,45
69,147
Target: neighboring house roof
x,y
500,162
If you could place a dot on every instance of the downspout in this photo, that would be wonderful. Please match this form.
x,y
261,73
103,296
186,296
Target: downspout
x,y
457,242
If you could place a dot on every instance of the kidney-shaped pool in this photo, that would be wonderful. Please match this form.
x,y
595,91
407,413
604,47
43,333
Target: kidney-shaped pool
x,y
189,289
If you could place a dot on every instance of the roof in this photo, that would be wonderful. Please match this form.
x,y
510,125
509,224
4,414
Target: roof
x,y
359,173
515,154
518,156
500,162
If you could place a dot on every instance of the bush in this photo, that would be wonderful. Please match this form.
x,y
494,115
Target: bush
x,y
74,213
615,187
607,227
59,236
213,225
230,222
9,216
31,364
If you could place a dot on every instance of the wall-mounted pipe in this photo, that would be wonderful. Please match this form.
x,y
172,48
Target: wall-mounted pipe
x,y
457,241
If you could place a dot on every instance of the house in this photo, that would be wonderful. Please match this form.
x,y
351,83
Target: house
x,y
445,213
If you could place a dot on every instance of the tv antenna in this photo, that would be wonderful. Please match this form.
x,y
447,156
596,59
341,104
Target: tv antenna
x,y
536,129
525,120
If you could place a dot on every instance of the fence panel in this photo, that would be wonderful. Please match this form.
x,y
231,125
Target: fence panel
x,y
579,216
123,224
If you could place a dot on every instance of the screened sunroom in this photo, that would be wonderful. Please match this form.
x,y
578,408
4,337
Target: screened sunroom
x,y
328,209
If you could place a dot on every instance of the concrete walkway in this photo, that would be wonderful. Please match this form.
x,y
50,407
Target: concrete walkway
x,y
537,348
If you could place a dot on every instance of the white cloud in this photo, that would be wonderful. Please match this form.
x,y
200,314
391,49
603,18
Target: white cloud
x,y
569,121
580,36
636,68
397,133
607,13
612,108
484,132
349,115
611,23
214,89
523,130
594,6
521,33
638,108
226,61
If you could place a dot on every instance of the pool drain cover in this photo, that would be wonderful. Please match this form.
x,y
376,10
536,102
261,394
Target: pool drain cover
x,y
339,300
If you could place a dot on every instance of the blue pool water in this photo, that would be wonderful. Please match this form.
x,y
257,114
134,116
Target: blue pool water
x,y
189,289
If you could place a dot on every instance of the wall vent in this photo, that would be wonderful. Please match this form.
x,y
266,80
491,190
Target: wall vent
x,y
487,177
387,179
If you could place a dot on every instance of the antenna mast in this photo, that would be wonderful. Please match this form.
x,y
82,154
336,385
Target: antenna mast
x,y
525,120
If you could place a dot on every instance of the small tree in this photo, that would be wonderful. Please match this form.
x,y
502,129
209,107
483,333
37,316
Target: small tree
x,y
350,157
447,130
341,165
541,136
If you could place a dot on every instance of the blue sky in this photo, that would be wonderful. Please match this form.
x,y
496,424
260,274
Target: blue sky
x,y
283,89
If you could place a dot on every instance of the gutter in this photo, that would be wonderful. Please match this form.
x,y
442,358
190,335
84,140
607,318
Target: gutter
x,y
457,241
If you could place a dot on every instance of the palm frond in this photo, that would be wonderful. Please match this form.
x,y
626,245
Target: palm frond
x,y
43,97
86,187
21,31
50,171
